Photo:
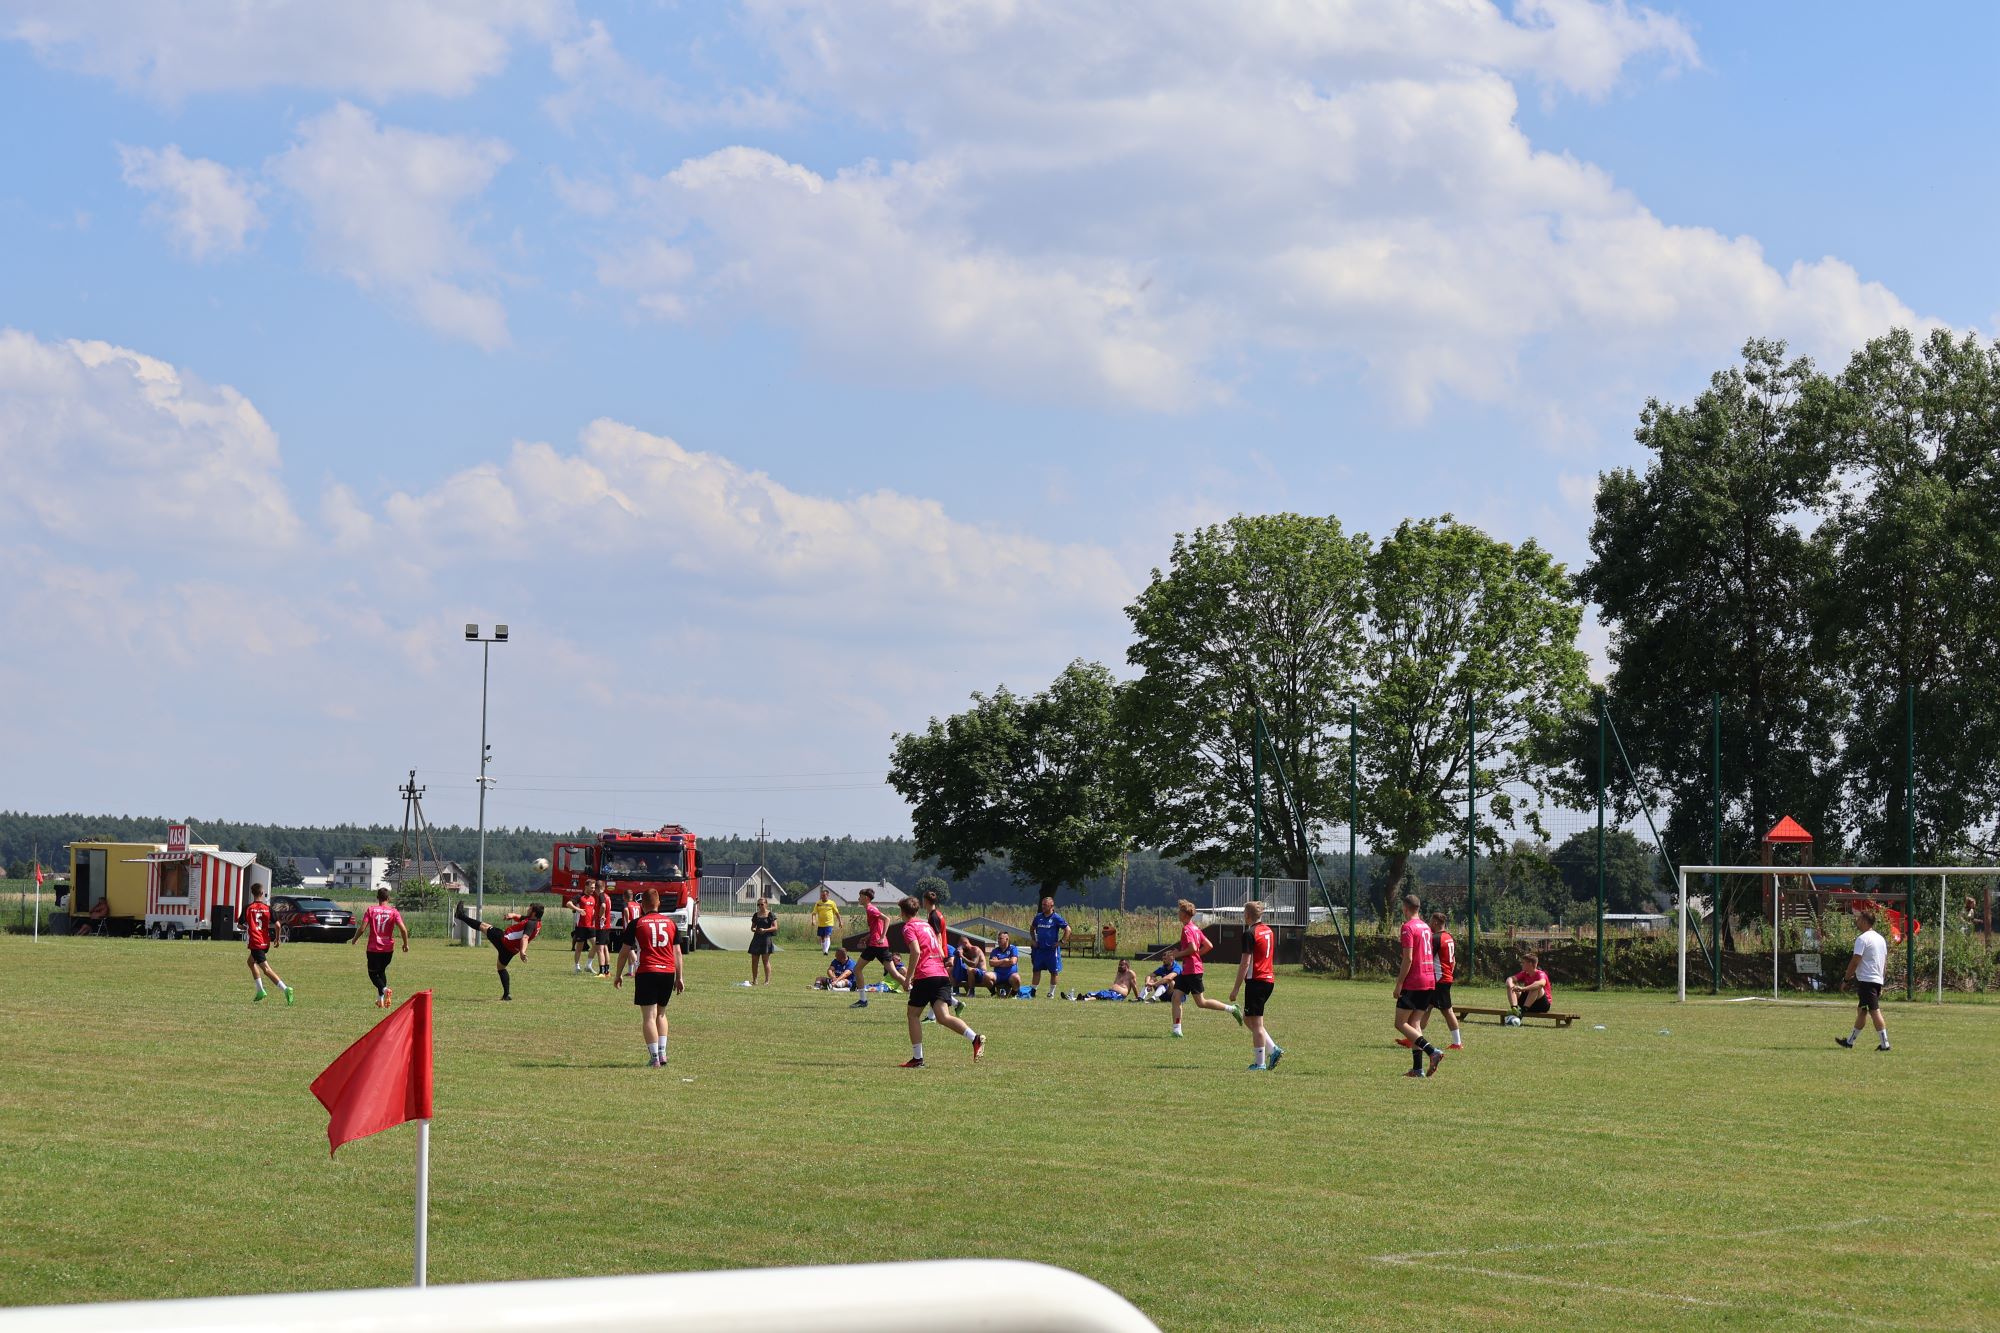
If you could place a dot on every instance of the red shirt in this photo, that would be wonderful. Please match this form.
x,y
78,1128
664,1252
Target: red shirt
x,y
878,928
1447,957
1194,942
652,936
917,938
1529,976
937,928
1263,952
257,925
1417,939
518,933
586,912
604,911
380,921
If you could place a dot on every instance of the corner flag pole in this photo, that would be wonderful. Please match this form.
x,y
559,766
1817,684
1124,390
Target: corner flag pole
x,y
423,1202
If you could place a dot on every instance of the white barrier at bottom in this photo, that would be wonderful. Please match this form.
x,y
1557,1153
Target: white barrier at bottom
x,y
969,1295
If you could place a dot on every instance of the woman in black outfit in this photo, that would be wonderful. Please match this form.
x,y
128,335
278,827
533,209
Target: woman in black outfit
x,y
763,940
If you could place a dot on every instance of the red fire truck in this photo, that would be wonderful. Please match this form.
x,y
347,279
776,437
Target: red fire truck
x,y
628,862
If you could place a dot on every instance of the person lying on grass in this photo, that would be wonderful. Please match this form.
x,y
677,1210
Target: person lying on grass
x,y
1124,986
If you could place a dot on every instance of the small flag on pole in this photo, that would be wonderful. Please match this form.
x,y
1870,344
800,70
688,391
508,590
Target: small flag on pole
x,y
38,874
383,1079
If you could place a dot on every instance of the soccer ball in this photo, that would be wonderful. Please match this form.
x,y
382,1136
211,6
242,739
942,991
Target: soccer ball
x,y
1511,1021
542,864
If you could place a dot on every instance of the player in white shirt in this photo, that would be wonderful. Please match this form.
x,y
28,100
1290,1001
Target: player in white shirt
x,y
1865,970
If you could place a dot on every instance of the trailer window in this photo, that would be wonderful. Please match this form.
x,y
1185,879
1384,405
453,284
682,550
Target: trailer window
x,y
649,863
89,880
174,879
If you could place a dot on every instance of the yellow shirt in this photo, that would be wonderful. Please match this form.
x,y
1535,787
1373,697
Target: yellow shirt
x,y
826,913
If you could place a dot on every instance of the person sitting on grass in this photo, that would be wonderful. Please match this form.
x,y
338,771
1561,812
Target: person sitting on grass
x,y
839,973
968,967
1530,989
1124,986
1159,981
1005,964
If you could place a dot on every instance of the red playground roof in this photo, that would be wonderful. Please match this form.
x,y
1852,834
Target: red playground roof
x,y
1787,830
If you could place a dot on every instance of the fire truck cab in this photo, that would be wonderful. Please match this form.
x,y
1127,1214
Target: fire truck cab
x,y
628,862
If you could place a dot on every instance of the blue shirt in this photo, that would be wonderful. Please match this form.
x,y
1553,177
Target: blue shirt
x,y
1047,930
842,966
1170,969
1004,958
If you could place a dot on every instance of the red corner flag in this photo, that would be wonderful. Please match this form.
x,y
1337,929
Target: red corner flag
x,y
382,1079
38,874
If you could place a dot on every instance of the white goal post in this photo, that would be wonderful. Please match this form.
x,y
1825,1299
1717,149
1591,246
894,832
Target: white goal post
x,y
1014,1297
1939,873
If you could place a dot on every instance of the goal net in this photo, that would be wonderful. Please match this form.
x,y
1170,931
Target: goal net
x,y
1802,918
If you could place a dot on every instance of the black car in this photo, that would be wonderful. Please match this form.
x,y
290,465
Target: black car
x,y
312,919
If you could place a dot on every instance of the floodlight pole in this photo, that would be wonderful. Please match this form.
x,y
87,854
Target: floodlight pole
x,y
1715,815
1471,835
1354,818
1257,804
1910,842
485,642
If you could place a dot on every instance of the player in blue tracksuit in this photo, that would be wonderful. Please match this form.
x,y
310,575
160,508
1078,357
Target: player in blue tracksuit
x,y
1048,933
1005,960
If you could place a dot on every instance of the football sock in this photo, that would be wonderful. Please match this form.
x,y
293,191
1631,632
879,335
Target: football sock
x,y
970,1035
506,985
1177,1029
1854,1036
260,991
1416,1057
1882,1035
916,1050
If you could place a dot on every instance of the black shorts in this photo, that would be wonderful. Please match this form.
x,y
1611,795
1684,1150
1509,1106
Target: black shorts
x,y
653,987
583,935
1441,998
1539,1006
929,991
1256,994
604,938
1415,1001
497,937
1189,983
877,953
258,956
1869,993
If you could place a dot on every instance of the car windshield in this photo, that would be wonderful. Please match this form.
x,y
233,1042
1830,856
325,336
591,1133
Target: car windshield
x,y
649,863
315,905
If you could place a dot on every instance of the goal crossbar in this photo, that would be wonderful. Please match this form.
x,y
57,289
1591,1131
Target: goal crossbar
x,y
1939,873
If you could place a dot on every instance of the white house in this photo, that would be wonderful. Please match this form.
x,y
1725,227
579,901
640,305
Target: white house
x,y
847,892
741,888
365,873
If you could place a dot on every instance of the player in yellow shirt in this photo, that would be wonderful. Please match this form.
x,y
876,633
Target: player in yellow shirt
x,y
826,919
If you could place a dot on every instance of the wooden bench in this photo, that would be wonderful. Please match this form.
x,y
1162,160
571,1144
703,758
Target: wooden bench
x,y
1560,1020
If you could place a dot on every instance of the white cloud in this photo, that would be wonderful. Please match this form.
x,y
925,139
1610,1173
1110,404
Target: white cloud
x,y
205,206
171,49
596,74
1125,209
871,264
101,444
383,206
640,497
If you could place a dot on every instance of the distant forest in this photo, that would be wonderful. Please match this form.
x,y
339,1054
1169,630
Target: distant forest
x,y
511,852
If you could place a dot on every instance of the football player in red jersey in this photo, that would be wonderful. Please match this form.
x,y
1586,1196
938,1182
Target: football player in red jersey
x,y
510,941
583,935
651,938
1444,951
1257,975
261,935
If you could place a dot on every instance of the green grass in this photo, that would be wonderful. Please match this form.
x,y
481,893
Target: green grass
x,y
1739,1173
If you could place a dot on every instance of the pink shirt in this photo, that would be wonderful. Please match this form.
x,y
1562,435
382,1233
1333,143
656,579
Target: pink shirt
x,y
1192,938
921,940
381,921
878,928
1417,939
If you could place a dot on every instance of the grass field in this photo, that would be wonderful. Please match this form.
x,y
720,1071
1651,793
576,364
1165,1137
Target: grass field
x,y
1741,1172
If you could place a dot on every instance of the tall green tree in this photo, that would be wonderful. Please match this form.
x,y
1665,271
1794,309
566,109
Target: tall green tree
x,y
1631,873
1910,602
1258,612
1031,779
1456,616
1704,570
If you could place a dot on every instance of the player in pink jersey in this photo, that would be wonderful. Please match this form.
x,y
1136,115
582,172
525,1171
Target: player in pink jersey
x,y
875,949
1414,983
930,986
1190,981
379,925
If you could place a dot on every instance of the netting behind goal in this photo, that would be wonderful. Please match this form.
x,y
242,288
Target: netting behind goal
x,y
1803,919
1286,901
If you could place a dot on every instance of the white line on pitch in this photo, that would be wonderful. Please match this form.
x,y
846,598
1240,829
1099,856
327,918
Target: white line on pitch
x,y
1572,1283
1528,1246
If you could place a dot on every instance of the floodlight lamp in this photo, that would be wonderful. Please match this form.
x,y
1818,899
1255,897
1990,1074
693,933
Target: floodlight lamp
x,y
472,631
500,634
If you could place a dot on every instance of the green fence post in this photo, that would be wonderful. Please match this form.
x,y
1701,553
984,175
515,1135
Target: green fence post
x,y
1600,840
1471,835
1715,814
1257,804
1353,819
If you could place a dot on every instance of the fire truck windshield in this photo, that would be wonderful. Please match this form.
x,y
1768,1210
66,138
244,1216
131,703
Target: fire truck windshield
x,y
645,863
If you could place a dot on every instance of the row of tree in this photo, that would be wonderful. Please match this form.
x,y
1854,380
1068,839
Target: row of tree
x,y
1821,551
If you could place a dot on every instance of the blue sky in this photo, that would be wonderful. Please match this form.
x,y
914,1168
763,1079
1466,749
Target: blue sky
x,y
783,372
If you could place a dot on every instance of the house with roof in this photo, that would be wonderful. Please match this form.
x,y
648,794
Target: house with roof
x,y
847,892
313,871
741,886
